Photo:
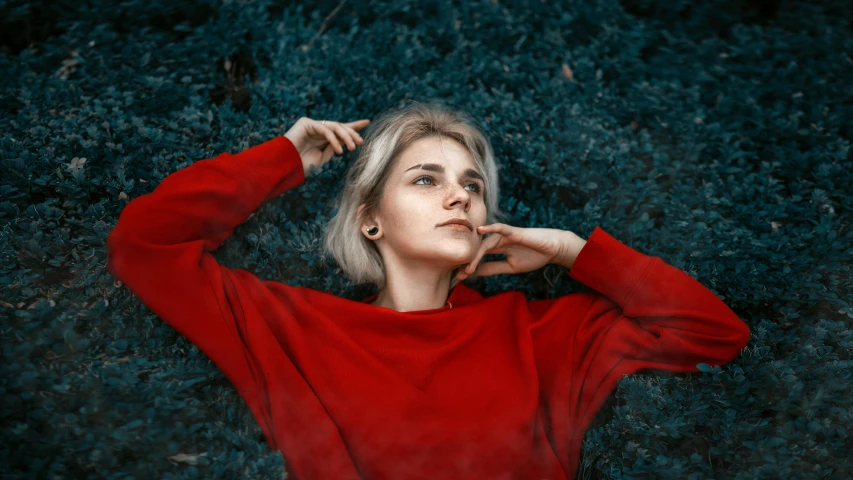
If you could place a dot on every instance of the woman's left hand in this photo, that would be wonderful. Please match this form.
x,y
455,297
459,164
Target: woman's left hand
x,y
526,249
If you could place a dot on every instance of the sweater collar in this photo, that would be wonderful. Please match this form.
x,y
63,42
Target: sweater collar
x,y
460,295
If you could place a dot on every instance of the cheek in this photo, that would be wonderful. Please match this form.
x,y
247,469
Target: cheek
x,y
415,202
406,213
480,215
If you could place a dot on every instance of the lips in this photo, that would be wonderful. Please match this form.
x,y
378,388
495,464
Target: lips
x,y
458,221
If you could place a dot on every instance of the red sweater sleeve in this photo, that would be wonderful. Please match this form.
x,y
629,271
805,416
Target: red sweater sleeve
x,y
645,314
160,248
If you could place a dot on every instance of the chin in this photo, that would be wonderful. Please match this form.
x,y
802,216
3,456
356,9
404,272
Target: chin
x,y
456,256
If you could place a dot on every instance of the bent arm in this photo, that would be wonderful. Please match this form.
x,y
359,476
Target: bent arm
x,y
160,247
204,202
680,321
644,314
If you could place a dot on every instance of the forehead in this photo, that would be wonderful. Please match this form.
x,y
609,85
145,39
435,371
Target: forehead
x,y
434,149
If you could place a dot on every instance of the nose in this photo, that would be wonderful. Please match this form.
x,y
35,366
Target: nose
x,y
459,196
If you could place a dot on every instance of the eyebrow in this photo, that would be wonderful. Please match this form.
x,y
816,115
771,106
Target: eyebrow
x,y
434,167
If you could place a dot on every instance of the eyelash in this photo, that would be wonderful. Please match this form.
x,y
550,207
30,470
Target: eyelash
x,y
433,180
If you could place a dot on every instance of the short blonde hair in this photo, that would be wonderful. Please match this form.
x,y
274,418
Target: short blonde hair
x,y
384,141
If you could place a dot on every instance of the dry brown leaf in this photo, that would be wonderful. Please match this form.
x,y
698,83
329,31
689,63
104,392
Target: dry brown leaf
x,y
188,458
567,72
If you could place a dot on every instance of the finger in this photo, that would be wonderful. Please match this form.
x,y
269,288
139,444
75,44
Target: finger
x,y
328,153
354,135
494,268
472,265
359,124
472,268
329,135
489,244
501,228
343,133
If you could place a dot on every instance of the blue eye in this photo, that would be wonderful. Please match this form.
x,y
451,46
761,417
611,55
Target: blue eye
x,y
427,177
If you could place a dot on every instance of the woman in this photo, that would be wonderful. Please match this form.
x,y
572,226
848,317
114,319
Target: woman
x,y
426,378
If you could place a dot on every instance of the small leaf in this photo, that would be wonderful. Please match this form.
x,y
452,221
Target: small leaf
x,y
704,367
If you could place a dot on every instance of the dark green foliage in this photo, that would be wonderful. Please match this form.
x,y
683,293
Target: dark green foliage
x,y
715,135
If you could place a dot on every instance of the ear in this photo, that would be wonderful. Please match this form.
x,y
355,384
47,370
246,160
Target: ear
x,y
369,222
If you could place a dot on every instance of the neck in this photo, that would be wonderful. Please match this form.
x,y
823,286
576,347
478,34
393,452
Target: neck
x,y
411,289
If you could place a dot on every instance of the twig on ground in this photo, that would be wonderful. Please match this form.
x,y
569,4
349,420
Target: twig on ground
x,y
323,26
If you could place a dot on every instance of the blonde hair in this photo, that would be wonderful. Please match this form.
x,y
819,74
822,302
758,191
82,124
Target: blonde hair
x,y
384,141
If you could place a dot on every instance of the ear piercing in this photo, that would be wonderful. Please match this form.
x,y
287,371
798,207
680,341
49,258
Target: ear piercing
x,y
372,231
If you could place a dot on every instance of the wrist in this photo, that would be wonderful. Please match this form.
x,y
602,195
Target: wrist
x,y
309,168
570,247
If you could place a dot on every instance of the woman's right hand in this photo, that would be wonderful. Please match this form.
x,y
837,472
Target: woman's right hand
x,y
316,142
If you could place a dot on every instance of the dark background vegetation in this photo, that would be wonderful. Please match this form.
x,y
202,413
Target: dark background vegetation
x,y
714,134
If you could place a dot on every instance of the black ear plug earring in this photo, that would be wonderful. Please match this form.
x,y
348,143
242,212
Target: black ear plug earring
x,y
372,231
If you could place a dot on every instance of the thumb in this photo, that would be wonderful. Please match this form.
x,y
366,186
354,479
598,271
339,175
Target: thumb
x,y
494,268
326,155
316,159
328,152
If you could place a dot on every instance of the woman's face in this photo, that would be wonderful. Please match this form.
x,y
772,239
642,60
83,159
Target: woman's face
x,y
434,180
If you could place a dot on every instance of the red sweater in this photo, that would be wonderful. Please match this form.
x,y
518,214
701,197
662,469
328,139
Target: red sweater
x,y
488,388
